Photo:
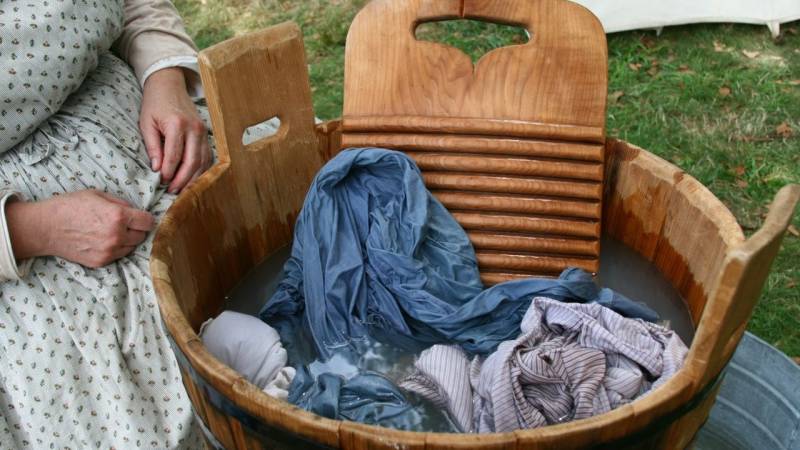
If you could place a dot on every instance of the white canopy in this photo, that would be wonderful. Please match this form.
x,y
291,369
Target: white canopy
x,y
621,15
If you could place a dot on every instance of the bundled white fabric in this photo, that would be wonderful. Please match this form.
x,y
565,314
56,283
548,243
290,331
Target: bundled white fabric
x,y
570,362
252,348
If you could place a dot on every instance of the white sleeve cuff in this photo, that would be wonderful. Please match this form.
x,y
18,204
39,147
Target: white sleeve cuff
x,y
9,268
192,72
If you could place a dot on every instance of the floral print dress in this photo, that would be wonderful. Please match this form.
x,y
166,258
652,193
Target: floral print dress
x,y
84,360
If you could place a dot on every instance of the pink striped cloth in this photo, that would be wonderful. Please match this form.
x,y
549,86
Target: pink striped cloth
x,y
571,361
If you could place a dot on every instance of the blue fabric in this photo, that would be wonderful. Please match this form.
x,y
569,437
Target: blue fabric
x,y
375,254
366,397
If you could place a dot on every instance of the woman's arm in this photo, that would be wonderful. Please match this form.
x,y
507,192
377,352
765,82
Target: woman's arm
x,y
88,227
153,31
174,135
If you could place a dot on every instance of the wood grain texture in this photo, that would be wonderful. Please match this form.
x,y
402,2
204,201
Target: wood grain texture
x,y
527,224
739,284
534,244
507,166
557,80
499,145
518,204
241,211
519,132
244,209
512,185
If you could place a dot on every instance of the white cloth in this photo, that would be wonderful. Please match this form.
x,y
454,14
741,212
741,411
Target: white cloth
x,y
10,268
250,347
571,361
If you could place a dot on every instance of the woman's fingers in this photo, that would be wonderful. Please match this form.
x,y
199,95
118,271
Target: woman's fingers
x,y
152,142
133,238
138,220
205,164
174,137
195,157
120,252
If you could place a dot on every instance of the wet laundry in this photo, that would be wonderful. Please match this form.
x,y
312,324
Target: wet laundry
x,y
571,361
376,255
250,347
377,258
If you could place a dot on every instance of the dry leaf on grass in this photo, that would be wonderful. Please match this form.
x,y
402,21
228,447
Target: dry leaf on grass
x,y
718,47
615,96
739,171
750,138
751,54
635,66
793,231
724,91
653,71
685,69
742,184
784,130
794,82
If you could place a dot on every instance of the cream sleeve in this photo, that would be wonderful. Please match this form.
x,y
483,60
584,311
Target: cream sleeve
x,y
10,269
154,37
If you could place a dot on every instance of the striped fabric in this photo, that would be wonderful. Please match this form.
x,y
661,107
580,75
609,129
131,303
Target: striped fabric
x,y
571,361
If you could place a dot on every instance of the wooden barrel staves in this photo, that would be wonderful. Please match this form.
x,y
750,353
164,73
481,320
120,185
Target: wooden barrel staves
x,y
244,208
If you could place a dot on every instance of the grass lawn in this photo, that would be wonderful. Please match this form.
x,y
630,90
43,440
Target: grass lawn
x,y
720,101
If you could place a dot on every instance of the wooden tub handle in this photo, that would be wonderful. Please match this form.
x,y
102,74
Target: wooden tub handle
x,y
740,284
252,78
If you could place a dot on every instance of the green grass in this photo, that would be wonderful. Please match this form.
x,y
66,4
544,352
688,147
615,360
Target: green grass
x,y
690,95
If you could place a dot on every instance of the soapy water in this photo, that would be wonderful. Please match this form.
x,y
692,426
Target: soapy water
x,y
393,364
621,269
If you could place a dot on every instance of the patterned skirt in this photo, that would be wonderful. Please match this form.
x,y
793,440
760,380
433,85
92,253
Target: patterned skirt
x,y
84,360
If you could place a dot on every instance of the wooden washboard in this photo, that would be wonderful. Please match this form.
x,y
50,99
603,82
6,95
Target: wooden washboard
x,y
513,146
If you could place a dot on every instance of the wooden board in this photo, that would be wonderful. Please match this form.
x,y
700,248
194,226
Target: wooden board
x,y
518,134
244,208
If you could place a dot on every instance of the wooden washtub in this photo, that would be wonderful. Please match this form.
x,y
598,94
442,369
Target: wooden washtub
x,y
243,210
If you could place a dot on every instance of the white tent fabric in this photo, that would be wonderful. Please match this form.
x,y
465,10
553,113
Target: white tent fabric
x,y
621,15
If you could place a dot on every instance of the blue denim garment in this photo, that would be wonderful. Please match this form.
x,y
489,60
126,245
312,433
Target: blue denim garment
x,y
376,255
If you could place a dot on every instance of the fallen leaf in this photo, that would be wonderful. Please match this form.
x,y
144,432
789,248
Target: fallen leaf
x,y
791,283
615,96
793,230
784,130
653,71
635,66
791,30
739,171
724,91
749,138
718,47
648,41
742,184
796,360
684,68
794,82
750,54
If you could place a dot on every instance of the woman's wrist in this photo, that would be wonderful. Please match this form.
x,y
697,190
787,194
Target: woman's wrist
x,y
27,226
170,78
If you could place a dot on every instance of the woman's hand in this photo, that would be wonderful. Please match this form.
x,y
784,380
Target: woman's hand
x,y
89,227
175,137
